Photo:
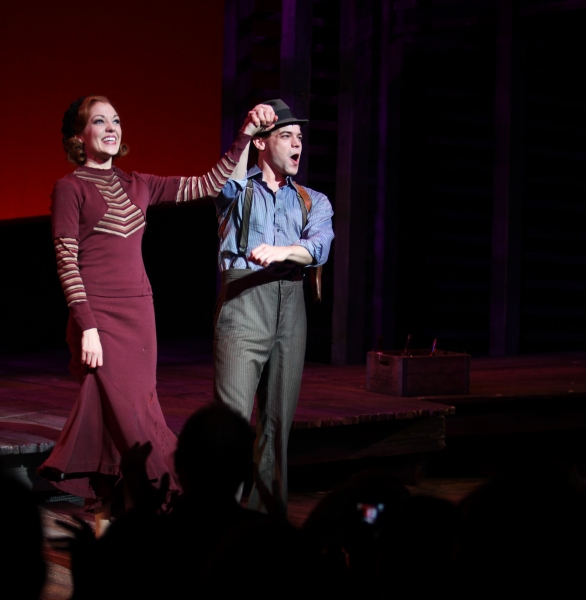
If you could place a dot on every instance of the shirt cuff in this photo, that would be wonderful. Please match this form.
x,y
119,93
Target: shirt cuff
x,y
83,316
310,247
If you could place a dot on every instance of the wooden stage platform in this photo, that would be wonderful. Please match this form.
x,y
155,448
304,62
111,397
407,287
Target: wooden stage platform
x,y
337,418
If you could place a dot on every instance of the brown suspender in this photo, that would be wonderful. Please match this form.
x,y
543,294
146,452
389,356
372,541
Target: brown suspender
x,y
314,272
304,199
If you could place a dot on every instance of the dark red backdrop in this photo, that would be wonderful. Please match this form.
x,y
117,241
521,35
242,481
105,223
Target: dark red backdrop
x,y
159,62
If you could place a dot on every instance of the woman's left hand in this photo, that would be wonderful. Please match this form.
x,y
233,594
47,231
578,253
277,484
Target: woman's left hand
x,y
91,348
261,118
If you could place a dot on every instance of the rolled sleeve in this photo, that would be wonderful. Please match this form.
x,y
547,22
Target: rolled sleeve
x,y
318,233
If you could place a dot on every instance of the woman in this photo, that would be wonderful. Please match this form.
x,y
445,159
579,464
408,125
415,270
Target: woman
x,y
98,219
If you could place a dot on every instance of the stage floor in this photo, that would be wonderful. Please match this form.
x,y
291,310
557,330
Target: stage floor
x,y
507,395
37,392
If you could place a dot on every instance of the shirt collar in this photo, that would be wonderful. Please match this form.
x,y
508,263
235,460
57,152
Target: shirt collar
x,y
253,171
256,173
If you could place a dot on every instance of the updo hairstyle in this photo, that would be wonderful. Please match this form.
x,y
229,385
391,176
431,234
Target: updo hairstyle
x,y
74,121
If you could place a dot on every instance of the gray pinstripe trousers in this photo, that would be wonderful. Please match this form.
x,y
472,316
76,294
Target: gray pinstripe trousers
x,y
259,347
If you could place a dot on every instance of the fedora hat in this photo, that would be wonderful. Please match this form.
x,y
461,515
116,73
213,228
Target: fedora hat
x,y
284,113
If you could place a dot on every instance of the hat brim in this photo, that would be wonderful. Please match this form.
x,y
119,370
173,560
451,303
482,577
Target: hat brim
x,y
290,121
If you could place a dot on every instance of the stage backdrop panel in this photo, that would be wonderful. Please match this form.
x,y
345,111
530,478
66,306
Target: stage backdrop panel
x,y
160,63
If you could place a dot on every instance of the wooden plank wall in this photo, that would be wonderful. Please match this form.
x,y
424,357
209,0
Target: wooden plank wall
x,y
354,194
508,185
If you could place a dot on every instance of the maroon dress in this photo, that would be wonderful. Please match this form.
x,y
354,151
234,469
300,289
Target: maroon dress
x,y
98,219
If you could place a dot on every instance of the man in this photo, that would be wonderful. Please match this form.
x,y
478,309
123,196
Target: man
x,y
260,323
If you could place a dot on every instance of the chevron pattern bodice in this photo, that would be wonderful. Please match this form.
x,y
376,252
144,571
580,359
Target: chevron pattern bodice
x,y
122,217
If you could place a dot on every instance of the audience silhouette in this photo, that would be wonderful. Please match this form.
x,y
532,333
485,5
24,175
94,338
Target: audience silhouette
x,y
524,531
22,566
521,532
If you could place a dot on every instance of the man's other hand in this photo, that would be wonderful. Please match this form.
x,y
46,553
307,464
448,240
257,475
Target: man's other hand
x,y
264,255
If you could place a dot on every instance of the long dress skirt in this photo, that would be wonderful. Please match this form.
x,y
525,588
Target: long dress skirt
x,y
117,405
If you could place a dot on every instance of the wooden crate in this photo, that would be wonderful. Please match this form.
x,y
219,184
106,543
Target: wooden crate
x,y
420,374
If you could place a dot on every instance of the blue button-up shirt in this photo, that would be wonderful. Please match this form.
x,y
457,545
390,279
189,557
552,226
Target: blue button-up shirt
x,y
275,219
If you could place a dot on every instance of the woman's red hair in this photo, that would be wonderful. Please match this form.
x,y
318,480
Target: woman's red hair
x,y
73,146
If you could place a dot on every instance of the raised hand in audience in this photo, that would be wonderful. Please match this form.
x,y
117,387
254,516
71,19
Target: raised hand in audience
x,y
82,546
143,495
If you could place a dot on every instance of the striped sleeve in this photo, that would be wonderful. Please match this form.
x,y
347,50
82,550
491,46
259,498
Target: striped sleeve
x,y
66,251
211,184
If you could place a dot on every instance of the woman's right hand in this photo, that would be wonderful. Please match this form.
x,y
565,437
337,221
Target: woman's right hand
x,y
91,348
